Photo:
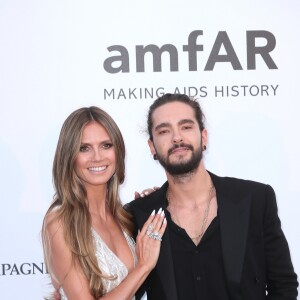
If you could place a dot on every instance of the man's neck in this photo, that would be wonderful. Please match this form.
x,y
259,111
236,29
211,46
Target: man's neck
x,y
190,187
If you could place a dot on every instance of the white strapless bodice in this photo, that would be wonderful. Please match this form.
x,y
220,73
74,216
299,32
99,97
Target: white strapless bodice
x,y
109,263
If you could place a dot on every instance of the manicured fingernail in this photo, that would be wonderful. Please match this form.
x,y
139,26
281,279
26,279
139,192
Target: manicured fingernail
x,y
159,211
152,214
162,214
165,221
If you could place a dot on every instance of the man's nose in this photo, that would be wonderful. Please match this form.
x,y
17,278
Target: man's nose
x,y
177,138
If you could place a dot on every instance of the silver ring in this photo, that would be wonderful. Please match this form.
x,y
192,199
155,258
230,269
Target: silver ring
x,y
155,236
149,229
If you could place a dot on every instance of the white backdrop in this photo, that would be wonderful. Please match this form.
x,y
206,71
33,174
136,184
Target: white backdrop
x,y
52,56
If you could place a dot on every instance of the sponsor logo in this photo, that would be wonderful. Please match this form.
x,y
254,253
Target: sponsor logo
x,y
12,269
259,45
216,92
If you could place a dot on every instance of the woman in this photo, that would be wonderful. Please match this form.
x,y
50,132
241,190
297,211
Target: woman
x,y
87,241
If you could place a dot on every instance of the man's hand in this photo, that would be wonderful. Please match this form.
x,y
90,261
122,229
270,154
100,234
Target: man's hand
x,y
145,192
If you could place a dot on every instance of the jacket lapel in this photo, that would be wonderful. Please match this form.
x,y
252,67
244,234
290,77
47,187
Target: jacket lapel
x,y
164,266
234,220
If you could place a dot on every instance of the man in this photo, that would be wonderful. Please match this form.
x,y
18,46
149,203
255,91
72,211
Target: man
x,y
223,239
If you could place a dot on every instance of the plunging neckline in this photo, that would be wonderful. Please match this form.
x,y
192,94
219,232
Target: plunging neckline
x,y
112,267
113,253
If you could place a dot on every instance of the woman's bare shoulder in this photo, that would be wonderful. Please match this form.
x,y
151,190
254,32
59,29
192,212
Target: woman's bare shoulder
x,y
52,221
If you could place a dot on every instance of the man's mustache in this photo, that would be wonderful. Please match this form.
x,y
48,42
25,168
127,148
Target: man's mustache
x,y
182,145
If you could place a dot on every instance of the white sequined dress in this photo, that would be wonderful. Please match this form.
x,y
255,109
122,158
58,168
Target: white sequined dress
x,y
109,263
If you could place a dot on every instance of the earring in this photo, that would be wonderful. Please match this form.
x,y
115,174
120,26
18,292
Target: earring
x,y
155,156
204,147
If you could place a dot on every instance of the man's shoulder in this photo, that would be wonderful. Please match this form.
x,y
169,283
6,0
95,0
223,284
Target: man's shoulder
x,y
228,183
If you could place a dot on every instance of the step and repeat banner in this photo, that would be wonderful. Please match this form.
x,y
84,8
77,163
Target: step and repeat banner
x,y
240,59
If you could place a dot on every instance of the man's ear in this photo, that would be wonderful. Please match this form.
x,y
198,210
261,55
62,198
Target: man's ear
x,y
204,137
151,146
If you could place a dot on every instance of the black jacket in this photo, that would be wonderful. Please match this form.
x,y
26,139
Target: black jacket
x,y
255,252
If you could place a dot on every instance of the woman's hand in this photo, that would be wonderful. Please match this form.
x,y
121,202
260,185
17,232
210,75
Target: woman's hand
x,y
145,192
149,239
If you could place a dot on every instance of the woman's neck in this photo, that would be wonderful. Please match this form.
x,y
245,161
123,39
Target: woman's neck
x,y
97,202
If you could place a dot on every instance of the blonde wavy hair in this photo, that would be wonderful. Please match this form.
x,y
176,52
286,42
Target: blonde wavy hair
x,y
70,198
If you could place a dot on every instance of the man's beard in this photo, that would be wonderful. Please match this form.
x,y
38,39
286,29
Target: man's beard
x,y
184,167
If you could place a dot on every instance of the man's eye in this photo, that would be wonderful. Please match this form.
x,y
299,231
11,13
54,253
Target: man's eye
x,y
187,127
163,131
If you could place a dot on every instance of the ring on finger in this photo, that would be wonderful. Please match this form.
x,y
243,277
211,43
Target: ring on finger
x,y
155,236
149,229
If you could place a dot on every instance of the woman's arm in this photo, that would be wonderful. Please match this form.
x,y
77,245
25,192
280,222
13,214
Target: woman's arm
x,y
63,272
72,279
147,251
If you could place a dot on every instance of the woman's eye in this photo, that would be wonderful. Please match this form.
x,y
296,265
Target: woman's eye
x,y
107,145
84,148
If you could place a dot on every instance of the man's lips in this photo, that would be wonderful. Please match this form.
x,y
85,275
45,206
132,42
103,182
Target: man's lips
x,y
179,148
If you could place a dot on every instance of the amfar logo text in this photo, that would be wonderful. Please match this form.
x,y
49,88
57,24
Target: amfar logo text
x,y
222,40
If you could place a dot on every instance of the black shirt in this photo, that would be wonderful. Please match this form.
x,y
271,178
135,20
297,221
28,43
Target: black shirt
x,y
199,271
